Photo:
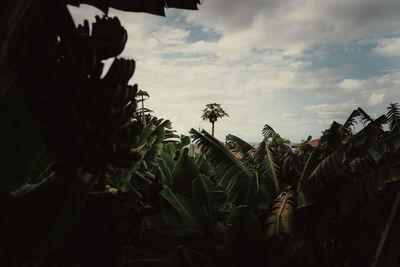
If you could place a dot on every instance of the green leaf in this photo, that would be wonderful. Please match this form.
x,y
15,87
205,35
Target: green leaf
x,y
239,145
185,140
336,166
148,262
20,146
146,133
221,154
41,216
280,219
190,212
196,258
394,117
268,167
170,150
184,172
244,227
192,150
171,215
167,155
202,164
206,193
232,173
163,172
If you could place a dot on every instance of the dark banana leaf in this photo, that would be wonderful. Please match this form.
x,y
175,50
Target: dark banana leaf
x,y
220,155
155,7
185,140
183,173
281,219
268,131
386,254
267,165
239,145
304,196
207,195
20,146
196,258
237,179
190,212
336,165
41,216
393,115
244,227
203,164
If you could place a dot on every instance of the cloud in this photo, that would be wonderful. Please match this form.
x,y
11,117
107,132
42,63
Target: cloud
x,y
351,85
388,47
375,99
331,112
290,115
294,26
261,61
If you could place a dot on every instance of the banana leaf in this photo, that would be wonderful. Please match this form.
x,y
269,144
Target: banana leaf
x,y
232,173
268,168
268,131
393,115
203,164
281,218
155,7
207,195
244,227
221,156
196,258
239,145
41,216
304,189
335,166
163,172
185,140
20,146
386,254
184,172
189,211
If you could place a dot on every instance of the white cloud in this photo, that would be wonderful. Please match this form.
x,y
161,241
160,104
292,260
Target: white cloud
x,y
330,112
388,47
294,26
290,115
351,85
375,99
260,68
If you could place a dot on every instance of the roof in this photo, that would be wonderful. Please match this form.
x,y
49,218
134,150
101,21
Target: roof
x,y
314,143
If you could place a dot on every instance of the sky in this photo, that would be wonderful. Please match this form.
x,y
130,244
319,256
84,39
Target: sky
x,y
294,65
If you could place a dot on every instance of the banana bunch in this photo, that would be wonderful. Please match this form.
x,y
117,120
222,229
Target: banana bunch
x,y
87,118
110,105
108,37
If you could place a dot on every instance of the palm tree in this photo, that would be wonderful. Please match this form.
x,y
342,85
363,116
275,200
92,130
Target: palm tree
x,y
141,94
212,112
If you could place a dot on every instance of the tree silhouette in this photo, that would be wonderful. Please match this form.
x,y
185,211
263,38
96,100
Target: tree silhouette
x,y
212,112
140,95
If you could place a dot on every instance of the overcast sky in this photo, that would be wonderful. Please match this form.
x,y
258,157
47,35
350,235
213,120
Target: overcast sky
x,y
295,65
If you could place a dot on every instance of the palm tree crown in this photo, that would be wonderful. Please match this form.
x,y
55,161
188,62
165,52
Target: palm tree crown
x,y
212,112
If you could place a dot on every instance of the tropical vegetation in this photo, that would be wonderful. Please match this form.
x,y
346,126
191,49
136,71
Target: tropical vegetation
x,y
87,180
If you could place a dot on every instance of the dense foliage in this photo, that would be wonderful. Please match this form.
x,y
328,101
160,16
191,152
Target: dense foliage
x,y
84,182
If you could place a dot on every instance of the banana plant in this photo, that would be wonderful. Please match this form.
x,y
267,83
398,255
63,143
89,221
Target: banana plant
x,y
73,120
355,174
